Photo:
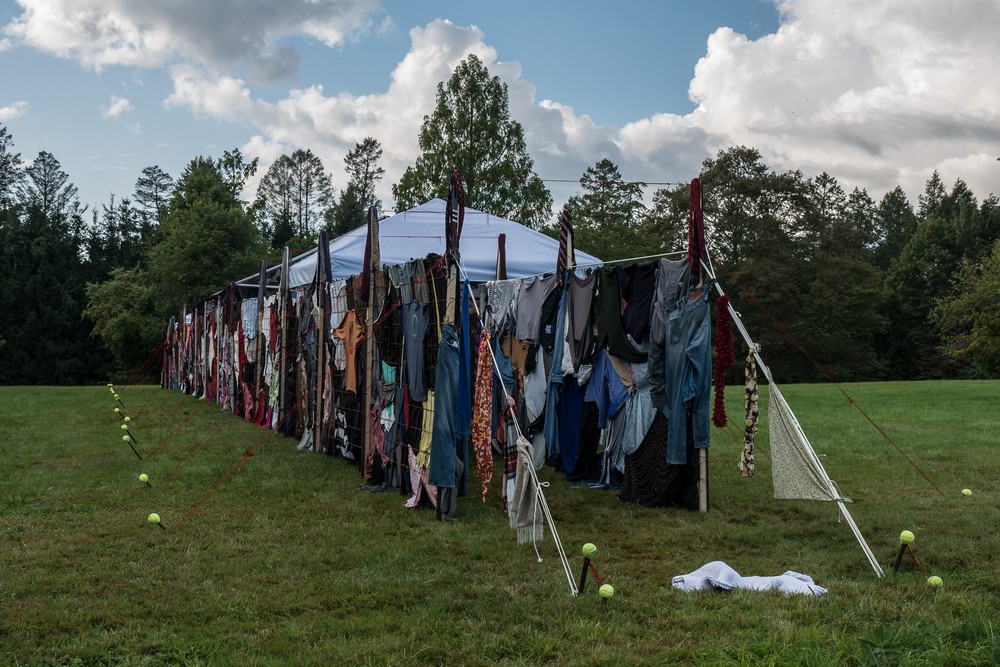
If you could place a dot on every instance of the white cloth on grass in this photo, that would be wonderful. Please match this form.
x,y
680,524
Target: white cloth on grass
x,y
719,575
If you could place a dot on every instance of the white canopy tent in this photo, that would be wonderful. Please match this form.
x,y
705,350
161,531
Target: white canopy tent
x,y
419,231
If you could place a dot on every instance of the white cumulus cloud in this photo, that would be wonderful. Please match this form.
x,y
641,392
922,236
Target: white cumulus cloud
x,y
217,33
13,110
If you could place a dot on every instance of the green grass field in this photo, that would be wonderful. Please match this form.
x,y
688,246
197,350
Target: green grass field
x,y
291,563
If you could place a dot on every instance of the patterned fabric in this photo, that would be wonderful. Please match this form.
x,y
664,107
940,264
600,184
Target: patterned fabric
x,y
564,258
751,410
482,411
795,470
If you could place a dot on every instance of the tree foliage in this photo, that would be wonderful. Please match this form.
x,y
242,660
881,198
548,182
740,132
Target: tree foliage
x,y
153,191
294,195
207,238
471,130
607,214
969,318
10,170
364,172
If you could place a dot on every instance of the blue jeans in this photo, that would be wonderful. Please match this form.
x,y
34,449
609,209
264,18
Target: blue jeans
x,y
687,374
445,428
553,391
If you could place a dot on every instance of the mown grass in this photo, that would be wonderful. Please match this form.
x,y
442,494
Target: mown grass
x,y
292,563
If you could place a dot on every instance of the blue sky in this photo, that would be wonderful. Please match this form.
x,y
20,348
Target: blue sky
x,y
877,94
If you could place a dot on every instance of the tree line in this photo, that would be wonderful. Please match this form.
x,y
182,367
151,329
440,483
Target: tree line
x,y
824,278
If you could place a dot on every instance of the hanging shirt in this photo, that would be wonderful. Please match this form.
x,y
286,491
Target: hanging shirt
x,y
530,297
415,318
580,331
350,331
606,389
638,284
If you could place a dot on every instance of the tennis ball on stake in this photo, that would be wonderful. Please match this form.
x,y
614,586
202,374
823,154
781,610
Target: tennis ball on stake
x,y
127,419
906,537
589,549
966,492
934,581
124,427
125,438
153,518
607,591
144,478
118,411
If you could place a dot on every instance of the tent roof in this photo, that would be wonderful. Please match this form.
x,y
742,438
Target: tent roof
x,y
419,231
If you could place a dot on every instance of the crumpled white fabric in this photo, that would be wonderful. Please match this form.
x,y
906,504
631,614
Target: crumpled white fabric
x,y
719,575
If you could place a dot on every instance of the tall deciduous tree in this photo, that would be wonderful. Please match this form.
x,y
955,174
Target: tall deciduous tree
x,y
969,318
471,130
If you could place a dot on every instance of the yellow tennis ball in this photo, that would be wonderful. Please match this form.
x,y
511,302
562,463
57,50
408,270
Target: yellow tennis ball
x,y
906,537
589,549
118,410
934,581
124,427
128,419
966,492
607,591
143,478
153,518
125,438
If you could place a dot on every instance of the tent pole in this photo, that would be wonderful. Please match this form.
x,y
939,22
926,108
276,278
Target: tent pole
x,y
320,379
366,389
283,307
810,453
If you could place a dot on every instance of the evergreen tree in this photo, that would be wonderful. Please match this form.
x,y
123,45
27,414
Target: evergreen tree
x,y
606,215
364,171
207,238
294,196
471,130
895,223
152,192
41,245
10,170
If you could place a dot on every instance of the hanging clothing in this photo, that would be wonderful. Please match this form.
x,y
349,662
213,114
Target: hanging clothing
x,y
554,386
651,481
445,426
338,309
570,414
605,389
426,432
751,412
530,297
684,379
415,318
638,284
350,332
608,317
639,413
580,330
482,411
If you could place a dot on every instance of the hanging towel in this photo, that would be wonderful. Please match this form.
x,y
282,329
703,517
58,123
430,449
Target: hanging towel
x,y
525,513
